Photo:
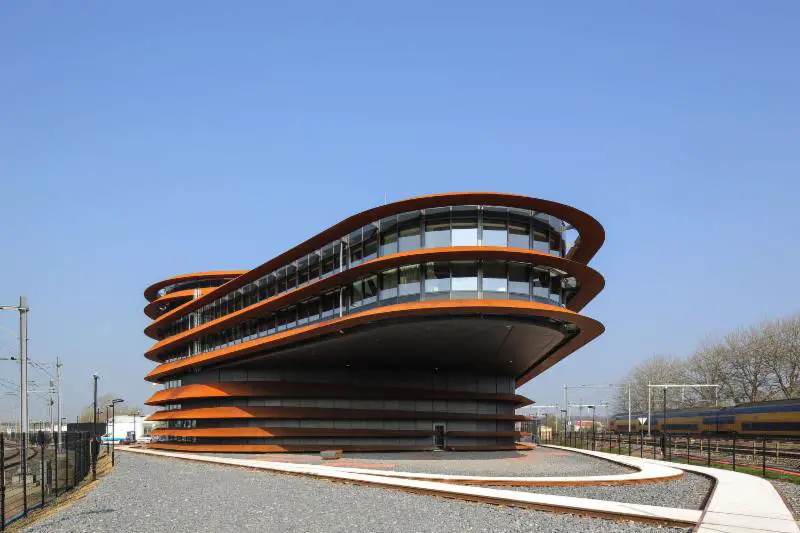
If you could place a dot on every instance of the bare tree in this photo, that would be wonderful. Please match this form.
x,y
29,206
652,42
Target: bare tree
x,y
750,376
657,369
710,365
780,346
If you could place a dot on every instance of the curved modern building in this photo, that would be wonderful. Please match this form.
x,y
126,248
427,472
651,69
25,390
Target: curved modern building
x,y
408,326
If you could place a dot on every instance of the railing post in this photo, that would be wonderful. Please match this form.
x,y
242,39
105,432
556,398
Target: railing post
x,y
687,449
629,445
41,460
55,467
708,447
3,483
764,456
734,452
619,443
66,461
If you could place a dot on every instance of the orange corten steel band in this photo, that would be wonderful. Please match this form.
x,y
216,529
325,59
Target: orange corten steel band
x,y
322,413
591,234
280,389
151,292
151,309
589,329
281,448
249,432
590,283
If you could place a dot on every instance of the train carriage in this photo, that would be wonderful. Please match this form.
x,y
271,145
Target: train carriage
x,y
778,418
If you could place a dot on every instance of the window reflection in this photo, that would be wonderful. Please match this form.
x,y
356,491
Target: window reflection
x,y
409,283
465,279
465,226
437,280
495,227
494,279
409,231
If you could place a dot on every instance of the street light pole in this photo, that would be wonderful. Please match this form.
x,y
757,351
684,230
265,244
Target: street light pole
x,y
114,402
94,430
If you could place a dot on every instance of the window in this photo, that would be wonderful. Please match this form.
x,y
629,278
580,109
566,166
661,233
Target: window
x,y
370,237
409,231
494,279
356,252
465,279
313,309
388,285
437,228
540,239
555,242
495,227
313,266
330,304
291,277
555,289
519,285
370,287
465,226
541,284
356,293
408,288
327,261
388,236
302,271
519,229
437,280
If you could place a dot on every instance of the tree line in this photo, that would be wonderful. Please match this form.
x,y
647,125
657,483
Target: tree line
x,y
751,364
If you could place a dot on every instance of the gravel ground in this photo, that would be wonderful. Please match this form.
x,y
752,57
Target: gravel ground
x,y
538,462
688,492
149,494
790,493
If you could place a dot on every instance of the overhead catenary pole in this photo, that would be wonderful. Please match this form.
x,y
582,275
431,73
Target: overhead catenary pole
x,y
58,398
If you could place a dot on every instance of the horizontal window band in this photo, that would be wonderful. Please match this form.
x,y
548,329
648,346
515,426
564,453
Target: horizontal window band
x,y
322,413
279,389
591,233
590,283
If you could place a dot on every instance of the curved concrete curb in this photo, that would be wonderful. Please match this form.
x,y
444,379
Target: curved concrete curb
x,y
739,503
545,502
646,473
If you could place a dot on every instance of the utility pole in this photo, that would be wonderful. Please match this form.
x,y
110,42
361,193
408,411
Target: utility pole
x,y
23,376
58,398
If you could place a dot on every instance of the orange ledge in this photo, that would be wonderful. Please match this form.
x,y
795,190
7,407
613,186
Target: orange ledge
x,y
589,329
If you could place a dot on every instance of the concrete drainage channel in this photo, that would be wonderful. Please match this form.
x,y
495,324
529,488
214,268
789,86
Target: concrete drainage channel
x,y
650,514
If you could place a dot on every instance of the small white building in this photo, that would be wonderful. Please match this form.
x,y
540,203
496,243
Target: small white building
x,y
121,427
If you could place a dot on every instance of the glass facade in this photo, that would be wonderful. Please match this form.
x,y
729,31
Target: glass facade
x,y
439,227
440,280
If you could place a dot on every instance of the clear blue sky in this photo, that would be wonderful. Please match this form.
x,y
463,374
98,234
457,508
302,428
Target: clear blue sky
x,y
144,139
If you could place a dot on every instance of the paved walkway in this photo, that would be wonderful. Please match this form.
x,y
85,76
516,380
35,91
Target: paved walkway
x,y
567,504
740,503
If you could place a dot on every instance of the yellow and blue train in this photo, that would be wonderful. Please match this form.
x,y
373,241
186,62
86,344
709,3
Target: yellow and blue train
x,y
779,418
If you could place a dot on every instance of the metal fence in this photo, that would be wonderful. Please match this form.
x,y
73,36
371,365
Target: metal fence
x,y
766,455
52,468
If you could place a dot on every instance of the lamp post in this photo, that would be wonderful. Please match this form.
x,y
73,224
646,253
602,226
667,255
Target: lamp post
x,y
23,310
114,402
94,430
